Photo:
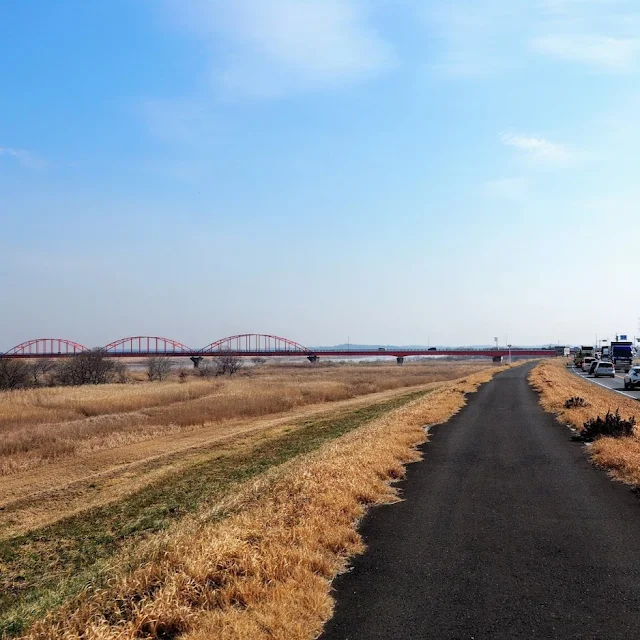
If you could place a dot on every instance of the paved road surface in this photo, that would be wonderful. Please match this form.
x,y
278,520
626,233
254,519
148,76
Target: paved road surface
x,y
615,384
506,532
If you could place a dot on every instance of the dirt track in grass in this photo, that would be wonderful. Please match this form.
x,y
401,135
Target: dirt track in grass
x,y
44,495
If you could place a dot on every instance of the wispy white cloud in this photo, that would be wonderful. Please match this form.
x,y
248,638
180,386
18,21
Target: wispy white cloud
x,y
25,158
268,49
540,149
605,52
483,37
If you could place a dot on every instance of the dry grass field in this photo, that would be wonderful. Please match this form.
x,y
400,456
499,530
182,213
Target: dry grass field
x,y
41,425
102,512
621,456
258,563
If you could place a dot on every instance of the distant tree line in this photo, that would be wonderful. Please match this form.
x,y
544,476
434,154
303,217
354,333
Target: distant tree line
x,y
96,367
160,367
88,367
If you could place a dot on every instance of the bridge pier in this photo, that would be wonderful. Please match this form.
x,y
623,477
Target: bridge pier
x,y
400,359
313,358
497,359
196,361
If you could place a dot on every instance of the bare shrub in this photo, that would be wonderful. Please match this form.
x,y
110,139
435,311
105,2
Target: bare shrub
x,y
574,402
159,367
258,362
227,363
611,425
207,369
90,367
38,369
14,374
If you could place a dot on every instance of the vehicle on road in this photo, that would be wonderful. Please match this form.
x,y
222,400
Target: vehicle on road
x,y
604,368
586,363
621,353
585,351
593,365
632,379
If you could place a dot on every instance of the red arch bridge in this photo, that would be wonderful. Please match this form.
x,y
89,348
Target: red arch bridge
x,y
246,345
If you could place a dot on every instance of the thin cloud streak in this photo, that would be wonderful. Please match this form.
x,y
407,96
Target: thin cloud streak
x,y
490,37
272,49
607,53
25,158
540,149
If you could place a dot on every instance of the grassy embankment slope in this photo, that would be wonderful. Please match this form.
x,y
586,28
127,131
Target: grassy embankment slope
x,y
621,456
121,549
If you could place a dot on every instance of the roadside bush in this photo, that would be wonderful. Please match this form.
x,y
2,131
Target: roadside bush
x,y
611,425
574,402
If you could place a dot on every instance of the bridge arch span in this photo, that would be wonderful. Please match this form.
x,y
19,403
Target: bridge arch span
x,y
145,345
46,347
255,343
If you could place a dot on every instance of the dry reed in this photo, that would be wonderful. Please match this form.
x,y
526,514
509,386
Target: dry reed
x,y
39,426
265,570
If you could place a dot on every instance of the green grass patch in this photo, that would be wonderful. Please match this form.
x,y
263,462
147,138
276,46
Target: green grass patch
x,y
42,569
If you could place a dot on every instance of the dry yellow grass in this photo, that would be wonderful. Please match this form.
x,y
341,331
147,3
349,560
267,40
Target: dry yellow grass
x,y
39,426
28,407
264,571
43,495
621,456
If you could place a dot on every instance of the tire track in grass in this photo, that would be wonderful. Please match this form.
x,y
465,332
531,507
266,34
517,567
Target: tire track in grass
x,y
42,569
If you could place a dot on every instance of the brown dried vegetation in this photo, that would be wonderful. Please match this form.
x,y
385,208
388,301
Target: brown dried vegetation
x,y
621,456
38,426
259,564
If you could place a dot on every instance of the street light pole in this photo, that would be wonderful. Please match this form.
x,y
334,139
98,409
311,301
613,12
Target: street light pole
x,y
509,354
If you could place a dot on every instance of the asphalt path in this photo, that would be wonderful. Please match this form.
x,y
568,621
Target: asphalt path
x,y
505,531
615,384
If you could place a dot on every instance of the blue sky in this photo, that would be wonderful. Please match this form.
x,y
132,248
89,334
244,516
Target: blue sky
x,y
388,171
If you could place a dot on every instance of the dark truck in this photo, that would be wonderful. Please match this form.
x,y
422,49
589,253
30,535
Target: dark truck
x,y
621,354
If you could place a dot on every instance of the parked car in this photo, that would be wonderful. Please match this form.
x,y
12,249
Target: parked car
x,y
604,368
632,379
586,363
